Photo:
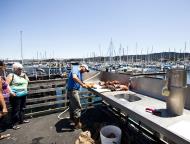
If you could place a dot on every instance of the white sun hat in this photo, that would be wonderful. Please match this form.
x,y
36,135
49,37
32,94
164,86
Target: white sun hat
x,y
16,66
84,65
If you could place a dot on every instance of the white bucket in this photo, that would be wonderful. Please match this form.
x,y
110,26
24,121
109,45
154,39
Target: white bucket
x,y
110,134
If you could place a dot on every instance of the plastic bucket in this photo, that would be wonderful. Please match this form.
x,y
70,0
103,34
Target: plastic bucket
x,y
110,134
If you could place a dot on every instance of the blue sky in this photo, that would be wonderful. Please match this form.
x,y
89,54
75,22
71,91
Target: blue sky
x,y
78,28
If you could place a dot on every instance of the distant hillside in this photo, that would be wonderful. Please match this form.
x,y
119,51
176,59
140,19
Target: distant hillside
x,y
164,56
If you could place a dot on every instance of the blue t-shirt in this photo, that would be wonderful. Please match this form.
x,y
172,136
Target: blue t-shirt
x,y
71,83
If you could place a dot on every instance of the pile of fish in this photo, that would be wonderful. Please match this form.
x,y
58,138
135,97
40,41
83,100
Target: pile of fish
x,y
114,85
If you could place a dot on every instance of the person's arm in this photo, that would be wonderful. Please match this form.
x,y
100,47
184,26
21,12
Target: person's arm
x,y
9,80
2,101
3,104
76,79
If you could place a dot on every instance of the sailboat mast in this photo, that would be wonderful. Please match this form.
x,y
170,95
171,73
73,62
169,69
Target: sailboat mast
x,y
111,50
21,46
120,49
136,52
184,52
127,55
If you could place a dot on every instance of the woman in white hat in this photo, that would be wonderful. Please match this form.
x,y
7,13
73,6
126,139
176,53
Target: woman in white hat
x,y
18,82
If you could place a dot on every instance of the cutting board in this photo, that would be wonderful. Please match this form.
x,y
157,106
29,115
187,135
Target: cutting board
x,y
102,90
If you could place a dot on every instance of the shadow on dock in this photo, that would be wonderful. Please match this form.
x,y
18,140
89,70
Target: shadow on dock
x,y
51,130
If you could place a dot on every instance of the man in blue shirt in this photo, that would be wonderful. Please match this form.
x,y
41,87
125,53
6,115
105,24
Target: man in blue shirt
x,y
73,86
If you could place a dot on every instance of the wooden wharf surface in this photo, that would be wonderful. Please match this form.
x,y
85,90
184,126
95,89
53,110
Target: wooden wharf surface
x,y
49,129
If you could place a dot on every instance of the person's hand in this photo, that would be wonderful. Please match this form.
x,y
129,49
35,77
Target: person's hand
x,y
13,94
4,111
1,114
84,86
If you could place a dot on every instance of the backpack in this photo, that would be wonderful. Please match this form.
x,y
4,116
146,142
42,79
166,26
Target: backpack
x,y
5,89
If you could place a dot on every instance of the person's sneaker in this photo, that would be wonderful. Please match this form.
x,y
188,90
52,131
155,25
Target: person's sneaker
x,y
15,127
25,121
71,123
4,136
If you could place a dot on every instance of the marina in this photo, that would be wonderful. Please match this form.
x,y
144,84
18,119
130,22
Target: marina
x,y
140,111
94,72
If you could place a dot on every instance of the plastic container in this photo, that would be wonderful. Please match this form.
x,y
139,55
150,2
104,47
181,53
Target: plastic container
x,y
110,134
